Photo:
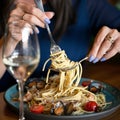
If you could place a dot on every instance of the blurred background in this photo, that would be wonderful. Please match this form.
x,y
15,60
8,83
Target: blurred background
x,y
116,3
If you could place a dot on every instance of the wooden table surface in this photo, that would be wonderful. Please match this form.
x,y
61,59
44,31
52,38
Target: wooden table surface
x,y
105,72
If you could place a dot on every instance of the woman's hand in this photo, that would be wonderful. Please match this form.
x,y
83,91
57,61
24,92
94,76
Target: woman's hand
x,y
106,45
26,14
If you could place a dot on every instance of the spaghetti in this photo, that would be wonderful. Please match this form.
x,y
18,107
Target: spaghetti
x,y
65,86
61,62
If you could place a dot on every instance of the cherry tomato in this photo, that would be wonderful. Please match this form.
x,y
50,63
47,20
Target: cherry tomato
x,y
37,109
86,83
91,106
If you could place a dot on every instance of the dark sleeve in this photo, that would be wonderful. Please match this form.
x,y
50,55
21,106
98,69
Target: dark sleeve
x,y
6,81
102,13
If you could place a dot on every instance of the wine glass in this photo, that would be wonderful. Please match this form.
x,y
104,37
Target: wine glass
x,y
21,55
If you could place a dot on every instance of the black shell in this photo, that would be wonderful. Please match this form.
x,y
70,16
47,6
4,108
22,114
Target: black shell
x,y
39,83
58,108
95,87
69,108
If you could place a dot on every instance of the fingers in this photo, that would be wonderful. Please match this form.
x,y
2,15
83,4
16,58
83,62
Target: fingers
x,y
38,20
35,16
26,15
97,43
115,48
15,29
49,14
106,45
33,20
30,14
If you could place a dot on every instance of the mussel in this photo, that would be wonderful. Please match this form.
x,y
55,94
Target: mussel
x,y
69,108
58,108
95,87
36,83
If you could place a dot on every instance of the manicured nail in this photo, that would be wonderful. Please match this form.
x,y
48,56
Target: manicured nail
x,y
95,60
103,59
47,21
91,58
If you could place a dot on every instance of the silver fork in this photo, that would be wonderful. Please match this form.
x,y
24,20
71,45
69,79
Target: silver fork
x,y
54,48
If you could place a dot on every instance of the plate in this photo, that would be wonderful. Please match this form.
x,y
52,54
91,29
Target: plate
x,y
112,95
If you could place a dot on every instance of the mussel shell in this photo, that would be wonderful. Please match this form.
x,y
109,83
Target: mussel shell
x,y
95,87
58,108
32,82
69,108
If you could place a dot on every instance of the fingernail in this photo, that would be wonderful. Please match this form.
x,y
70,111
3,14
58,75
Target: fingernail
x,y
47,21
91,58
95,60
103,59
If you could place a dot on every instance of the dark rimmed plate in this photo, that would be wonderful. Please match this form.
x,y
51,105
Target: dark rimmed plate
x,y
112,95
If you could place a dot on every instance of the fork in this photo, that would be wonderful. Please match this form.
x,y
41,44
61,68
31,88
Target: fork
x,y
54,48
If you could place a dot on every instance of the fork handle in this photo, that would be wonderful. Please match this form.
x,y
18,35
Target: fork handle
x,y
40,6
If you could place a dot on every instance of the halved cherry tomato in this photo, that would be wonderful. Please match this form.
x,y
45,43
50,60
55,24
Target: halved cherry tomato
x,y
90,106
37,108
86,83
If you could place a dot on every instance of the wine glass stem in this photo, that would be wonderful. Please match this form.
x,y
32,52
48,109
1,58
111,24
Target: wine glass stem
x,y
21,105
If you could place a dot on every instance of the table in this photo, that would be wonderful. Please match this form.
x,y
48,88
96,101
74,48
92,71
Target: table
x,y
105,72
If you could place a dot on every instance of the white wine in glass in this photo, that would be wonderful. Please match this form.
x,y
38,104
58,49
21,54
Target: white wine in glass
x,y
21,55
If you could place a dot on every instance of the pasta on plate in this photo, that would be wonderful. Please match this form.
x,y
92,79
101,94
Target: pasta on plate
x,y
62,94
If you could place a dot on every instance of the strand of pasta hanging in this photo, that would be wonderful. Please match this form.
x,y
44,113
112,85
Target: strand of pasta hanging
x,y
68,78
